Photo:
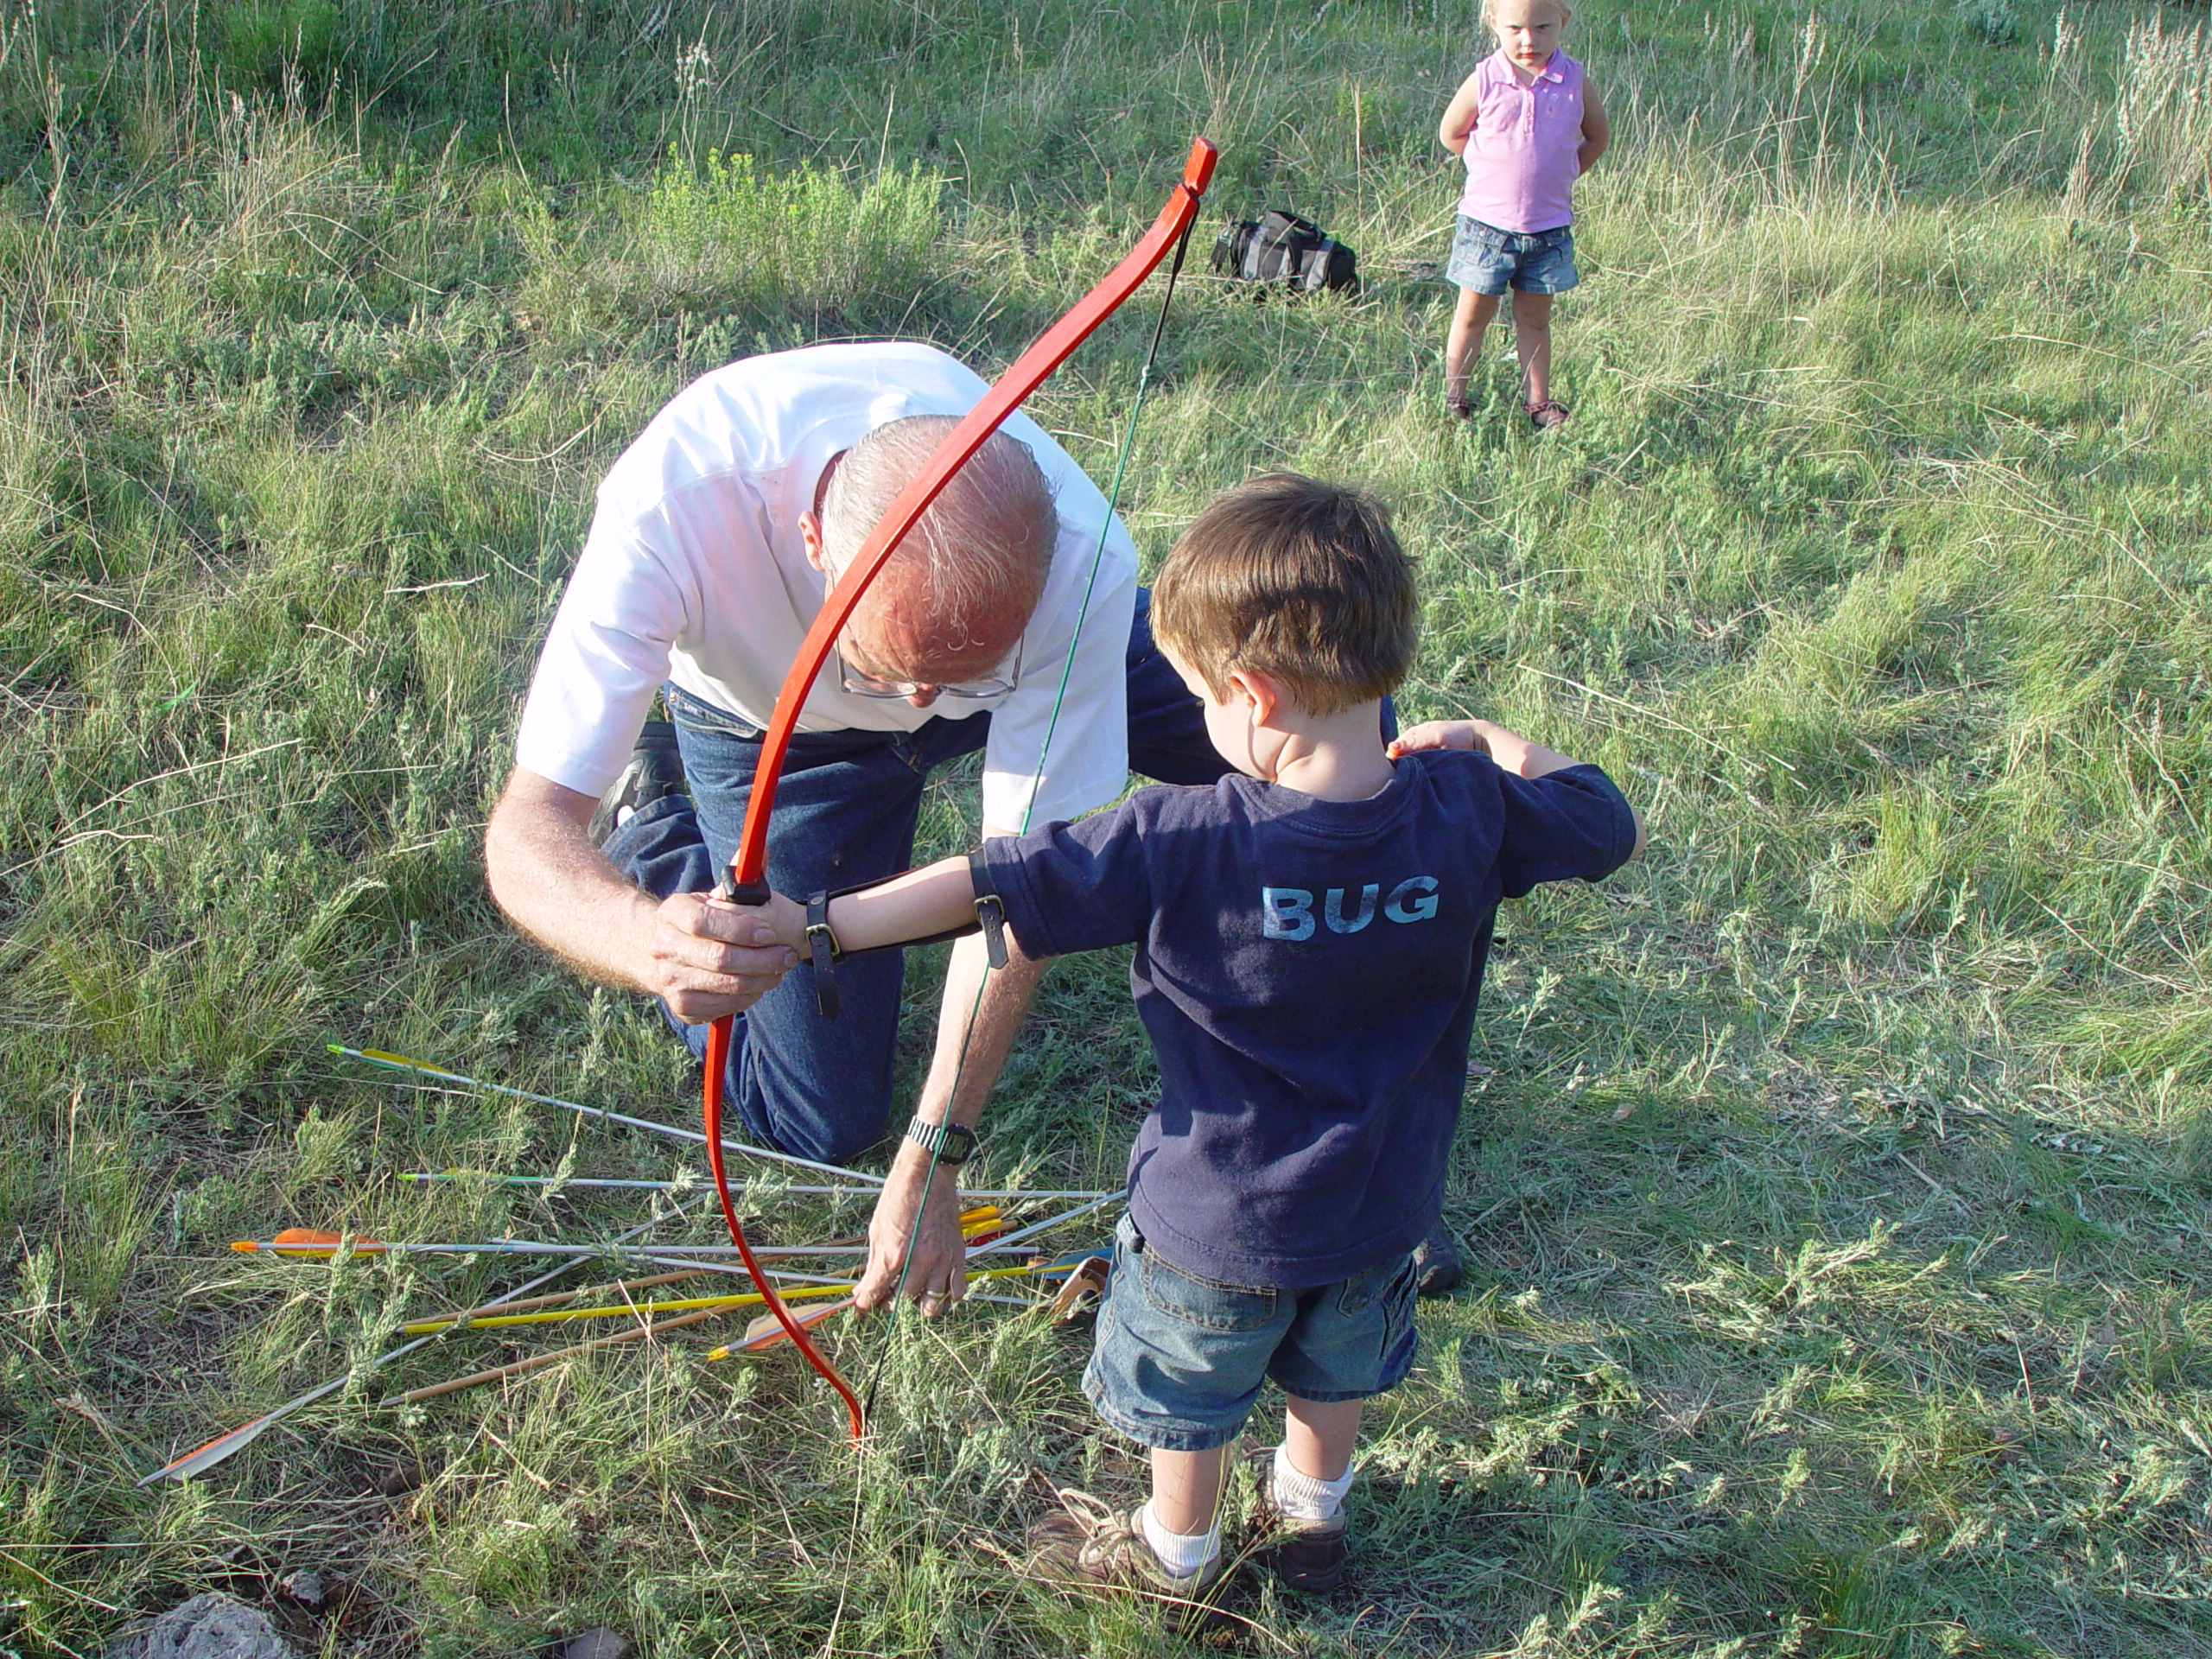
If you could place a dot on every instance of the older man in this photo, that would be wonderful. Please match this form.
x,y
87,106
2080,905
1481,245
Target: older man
x,y
717,534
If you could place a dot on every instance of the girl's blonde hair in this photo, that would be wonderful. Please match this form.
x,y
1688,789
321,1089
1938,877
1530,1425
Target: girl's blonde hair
x,y
1489,13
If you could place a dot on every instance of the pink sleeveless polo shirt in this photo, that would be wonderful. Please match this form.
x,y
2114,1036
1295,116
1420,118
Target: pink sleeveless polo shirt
x,y
1521,156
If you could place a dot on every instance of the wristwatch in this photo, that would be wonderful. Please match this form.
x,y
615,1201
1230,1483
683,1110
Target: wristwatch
x,y
951,1144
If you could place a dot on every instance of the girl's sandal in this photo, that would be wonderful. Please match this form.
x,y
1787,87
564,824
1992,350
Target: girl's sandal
x,y
1545,415
1460,409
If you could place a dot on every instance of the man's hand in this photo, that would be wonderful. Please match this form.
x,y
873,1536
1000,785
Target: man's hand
x,y
709,958
706,959
929,1229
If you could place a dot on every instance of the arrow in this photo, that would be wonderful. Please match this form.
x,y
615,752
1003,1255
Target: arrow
x,y
305,1241
618,1310
423,1068
699,1185
416,1396
765,1333
981,1225
203,1457
978,1224
767,1330
975,1225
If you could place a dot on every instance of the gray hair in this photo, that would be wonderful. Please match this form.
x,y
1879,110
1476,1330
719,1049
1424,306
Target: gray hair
x,y
984,545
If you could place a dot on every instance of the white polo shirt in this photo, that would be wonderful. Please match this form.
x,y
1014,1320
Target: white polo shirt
x,y
694,572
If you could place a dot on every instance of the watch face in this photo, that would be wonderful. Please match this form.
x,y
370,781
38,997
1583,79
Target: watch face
x,y
949,1142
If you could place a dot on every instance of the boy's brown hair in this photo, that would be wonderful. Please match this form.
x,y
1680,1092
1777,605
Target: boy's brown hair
x,y
1296,579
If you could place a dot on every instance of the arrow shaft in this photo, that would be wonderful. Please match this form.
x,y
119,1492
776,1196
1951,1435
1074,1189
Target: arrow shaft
x,y
632,1310
688,1186
402,1063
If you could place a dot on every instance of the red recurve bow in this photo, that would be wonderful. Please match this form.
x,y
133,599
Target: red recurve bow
x,y
745,883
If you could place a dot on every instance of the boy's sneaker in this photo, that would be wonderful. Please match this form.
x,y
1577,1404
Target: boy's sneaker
x,y
1437,1269
1090,1545
1307,1556
655,770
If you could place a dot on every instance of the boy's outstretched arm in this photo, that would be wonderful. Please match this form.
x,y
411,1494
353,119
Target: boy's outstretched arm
x,y
1513,752
1458,118
935,898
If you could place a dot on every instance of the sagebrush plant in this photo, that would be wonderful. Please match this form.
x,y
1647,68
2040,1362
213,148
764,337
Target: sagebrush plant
x,y
731,235
1835,1181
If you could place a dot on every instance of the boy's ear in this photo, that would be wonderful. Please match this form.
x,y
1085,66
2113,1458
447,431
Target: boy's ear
x,y
1262,690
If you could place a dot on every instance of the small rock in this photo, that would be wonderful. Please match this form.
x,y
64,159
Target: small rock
x,y
304,1585
600,1643
399,1480
207,1627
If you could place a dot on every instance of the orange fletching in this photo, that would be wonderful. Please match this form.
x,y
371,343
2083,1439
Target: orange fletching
x,y
306,1241
765,1332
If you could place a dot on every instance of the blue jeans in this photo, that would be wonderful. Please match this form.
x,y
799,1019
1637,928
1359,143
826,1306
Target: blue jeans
x,y
1179,1360
1486,260
845,813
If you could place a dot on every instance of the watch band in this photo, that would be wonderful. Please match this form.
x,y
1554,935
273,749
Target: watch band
x,y
951,1144
990,909
823,944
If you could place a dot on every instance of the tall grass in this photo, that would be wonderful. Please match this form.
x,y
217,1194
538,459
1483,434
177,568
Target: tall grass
x,y
812,245
2162,119
1835,1182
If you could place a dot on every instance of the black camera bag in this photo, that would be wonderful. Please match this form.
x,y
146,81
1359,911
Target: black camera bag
x,y
1282,249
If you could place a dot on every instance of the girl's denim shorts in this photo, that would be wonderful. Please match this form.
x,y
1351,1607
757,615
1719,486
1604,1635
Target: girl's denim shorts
x,y
1180,1359
1488,260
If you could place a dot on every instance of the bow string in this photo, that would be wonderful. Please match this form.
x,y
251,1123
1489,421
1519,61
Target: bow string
x,y
745,883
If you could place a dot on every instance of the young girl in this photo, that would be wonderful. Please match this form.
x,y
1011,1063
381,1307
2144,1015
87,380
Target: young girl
x,y
1528,125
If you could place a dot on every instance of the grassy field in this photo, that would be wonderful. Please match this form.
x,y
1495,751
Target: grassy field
x,y
1837,1182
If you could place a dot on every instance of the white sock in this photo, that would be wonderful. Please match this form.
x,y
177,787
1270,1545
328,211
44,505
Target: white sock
x,y
1182,1554
1301,1496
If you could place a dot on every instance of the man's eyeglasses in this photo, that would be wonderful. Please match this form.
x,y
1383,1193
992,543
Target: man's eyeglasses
x,y
867,685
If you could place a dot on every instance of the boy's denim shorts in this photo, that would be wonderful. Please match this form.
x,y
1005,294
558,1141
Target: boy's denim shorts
x,y
1487,260
1179,1360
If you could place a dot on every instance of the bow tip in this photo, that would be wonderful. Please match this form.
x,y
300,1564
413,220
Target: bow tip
x,y
1198,171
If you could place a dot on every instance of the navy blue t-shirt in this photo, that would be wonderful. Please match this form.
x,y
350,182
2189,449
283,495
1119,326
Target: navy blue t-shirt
x,y
1307,971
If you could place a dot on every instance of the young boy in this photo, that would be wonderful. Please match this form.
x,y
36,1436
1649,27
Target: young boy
x,y
1311,933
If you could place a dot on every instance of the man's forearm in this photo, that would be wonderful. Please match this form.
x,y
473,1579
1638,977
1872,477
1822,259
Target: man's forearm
x,y
914,1237
559,889
970,1049
703,958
